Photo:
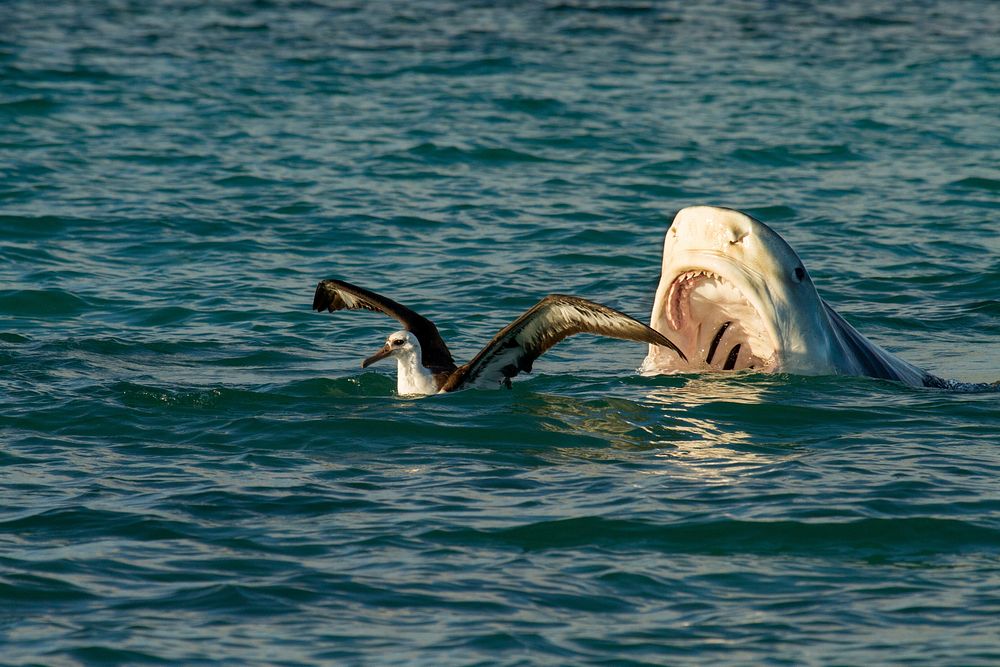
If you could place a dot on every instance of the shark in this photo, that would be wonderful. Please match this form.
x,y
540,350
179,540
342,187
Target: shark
x,y
734,295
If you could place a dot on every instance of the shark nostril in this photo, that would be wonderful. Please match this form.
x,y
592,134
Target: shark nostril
x,y
735,231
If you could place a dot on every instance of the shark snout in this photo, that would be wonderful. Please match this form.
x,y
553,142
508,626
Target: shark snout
x,y
711,227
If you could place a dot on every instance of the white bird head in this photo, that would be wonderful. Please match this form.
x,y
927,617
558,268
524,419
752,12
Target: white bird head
x,y
401,344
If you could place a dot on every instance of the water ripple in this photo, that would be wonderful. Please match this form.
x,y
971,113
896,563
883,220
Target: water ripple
x,y
197,471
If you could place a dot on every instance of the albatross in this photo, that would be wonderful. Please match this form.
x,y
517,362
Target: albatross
x,y
425,366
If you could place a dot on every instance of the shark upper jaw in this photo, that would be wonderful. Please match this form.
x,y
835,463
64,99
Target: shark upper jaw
x,y
717,317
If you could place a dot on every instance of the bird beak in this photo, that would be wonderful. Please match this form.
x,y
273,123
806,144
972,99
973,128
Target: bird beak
x,y
378,356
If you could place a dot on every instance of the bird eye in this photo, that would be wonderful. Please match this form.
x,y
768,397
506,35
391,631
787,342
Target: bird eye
x,y
397,342
800,274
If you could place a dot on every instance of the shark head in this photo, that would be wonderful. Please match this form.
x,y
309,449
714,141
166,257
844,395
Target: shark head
x,y
734,295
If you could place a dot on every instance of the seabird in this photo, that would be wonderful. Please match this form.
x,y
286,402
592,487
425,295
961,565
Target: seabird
x,y
425,366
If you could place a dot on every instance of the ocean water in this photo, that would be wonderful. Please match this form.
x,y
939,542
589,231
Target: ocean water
x,y
195,470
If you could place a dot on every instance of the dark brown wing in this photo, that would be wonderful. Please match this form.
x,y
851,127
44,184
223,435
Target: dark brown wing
x,y
553,318
334,295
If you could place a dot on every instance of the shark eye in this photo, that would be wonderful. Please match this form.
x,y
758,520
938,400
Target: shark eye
x,y
800,274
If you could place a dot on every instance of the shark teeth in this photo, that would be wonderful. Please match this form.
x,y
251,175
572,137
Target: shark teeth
x,y
681,288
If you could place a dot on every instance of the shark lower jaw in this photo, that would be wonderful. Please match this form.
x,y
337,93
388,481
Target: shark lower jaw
x,y
716,325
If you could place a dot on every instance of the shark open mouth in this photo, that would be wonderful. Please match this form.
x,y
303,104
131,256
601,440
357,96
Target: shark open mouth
x,y
716,325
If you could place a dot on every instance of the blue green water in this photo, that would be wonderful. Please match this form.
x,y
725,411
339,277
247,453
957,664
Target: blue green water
x,y
194,469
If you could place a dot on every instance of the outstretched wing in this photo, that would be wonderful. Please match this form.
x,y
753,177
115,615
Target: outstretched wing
x,y
553,318
334,295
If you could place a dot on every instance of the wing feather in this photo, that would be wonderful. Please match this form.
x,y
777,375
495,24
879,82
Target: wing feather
x,y
334,295
552,319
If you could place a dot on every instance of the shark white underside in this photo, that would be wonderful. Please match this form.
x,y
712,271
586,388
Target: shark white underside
x,y
734,295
